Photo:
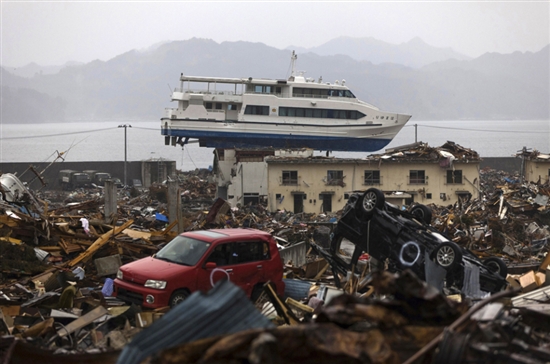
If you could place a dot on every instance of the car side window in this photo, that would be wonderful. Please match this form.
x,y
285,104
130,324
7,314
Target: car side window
x,y
249,251
220,255
239,252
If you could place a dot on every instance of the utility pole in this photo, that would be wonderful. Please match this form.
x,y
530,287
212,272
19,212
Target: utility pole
x,y
125,151
415,133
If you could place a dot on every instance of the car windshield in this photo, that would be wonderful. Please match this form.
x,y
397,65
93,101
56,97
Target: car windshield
x,y
183,250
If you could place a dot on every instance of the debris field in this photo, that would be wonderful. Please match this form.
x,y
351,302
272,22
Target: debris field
x,y
60,255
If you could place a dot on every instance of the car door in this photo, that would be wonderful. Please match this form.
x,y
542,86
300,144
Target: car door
x,y
243,261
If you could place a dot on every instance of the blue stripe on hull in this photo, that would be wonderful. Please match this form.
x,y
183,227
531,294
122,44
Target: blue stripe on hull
x,y
250,140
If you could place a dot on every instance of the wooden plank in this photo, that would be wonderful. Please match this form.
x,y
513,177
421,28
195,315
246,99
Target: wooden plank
x,y
102,240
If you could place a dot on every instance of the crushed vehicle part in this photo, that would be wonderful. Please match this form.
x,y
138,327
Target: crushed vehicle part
x,y
387,233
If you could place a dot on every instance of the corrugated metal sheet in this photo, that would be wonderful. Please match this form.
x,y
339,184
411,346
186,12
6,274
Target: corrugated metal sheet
x,y
295,253
296,289
538,296
225,309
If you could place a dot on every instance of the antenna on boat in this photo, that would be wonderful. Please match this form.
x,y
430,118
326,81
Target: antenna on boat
x,y
293,58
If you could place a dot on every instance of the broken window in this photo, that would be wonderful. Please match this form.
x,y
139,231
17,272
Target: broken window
x,y
372,177
417,177
454,177
335,178
290,178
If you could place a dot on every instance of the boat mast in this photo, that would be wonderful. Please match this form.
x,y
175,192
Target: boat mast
x,y
293,58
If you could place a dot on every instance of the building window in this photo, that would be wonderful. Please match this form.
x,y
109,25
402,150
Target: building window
x,y
335,178
454,177
256,110
417,177
208,105
290,178
372,177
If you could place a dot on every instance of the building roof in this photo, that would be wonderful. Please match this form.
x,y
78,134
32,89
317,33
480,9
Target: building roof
x,y
419,152
534,155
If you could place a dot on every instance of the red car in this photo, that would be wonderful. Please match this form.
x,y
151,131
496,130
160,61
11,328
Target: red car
x,y
195,261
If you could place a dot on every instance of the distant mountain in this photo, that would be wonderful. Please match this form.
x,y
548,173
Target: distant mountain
x,y
33,69
414,53
23,104
137,84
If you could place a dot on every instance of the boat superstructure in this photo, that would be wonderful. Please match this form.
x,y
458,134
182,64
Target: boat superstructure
x,y
295,113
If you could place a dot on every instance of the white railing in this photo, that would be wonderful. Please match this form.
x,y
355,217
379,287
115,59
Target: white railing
x,y
206,92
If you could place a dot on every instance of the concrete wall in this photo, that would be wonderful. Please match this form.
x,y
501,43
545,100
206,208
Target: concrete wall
x,y
535,170
507,164
312,187
116,169
435,189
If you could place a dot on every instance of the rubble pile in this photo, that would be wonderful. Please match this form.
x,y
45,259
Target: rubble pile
x,y
510,221
60,256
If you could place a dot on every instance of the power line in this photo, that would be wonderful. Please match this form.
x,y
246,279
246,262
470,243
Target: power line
x,y
482,130
55,135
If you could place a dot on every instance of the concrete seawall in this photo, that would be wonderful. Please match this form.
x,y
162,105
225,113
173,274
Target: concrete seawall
x,y
134,169
115,169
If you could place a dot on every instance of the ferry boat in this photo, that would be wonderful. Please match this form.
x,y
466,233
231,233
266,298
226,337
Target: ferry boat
x,y
269,113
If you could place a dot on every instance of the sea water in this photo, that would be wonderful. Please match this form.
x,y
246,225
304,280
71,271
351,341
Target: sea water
x,y
106,141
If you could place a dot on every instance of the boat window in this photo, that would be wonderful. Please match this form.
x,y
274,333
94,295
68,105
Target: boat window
x,y
320,113
256,110
266,89
348,93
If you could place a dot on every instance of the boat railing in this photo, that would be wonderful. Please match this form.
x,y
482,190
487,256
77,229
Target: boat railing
x,y
310,96
205,92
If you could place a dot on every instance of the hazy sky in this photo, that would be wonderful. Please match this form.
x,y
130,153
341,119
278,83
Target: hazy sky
x,y
54,32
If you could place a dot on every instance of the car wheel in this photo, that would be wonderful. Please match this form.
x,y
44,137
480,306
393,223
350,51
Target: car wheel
x,y
372,198
178,297
447,255
423,213
496,265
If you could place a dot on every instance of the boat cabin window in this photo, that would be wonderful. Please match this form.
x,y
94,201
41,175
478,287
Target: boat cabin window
x,y
264,89
320,92
256,110
320,113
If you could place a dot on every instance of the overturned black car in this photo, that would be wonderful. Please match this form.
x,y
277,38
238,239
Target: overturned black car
x,y
406,240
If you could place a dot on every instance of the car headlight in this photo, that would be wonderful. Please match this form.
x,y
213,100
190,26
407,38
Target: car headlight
x,y
119,274
151,283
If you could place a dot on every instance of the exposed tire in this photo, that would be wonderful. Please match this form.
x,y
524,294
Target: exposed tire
x,y
447,255
496,265
372,199
178,297
423,213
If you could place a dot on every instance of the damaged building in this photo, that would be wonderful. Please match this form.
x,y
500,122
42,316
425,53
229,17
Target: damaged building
x,y
535,166
297,181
